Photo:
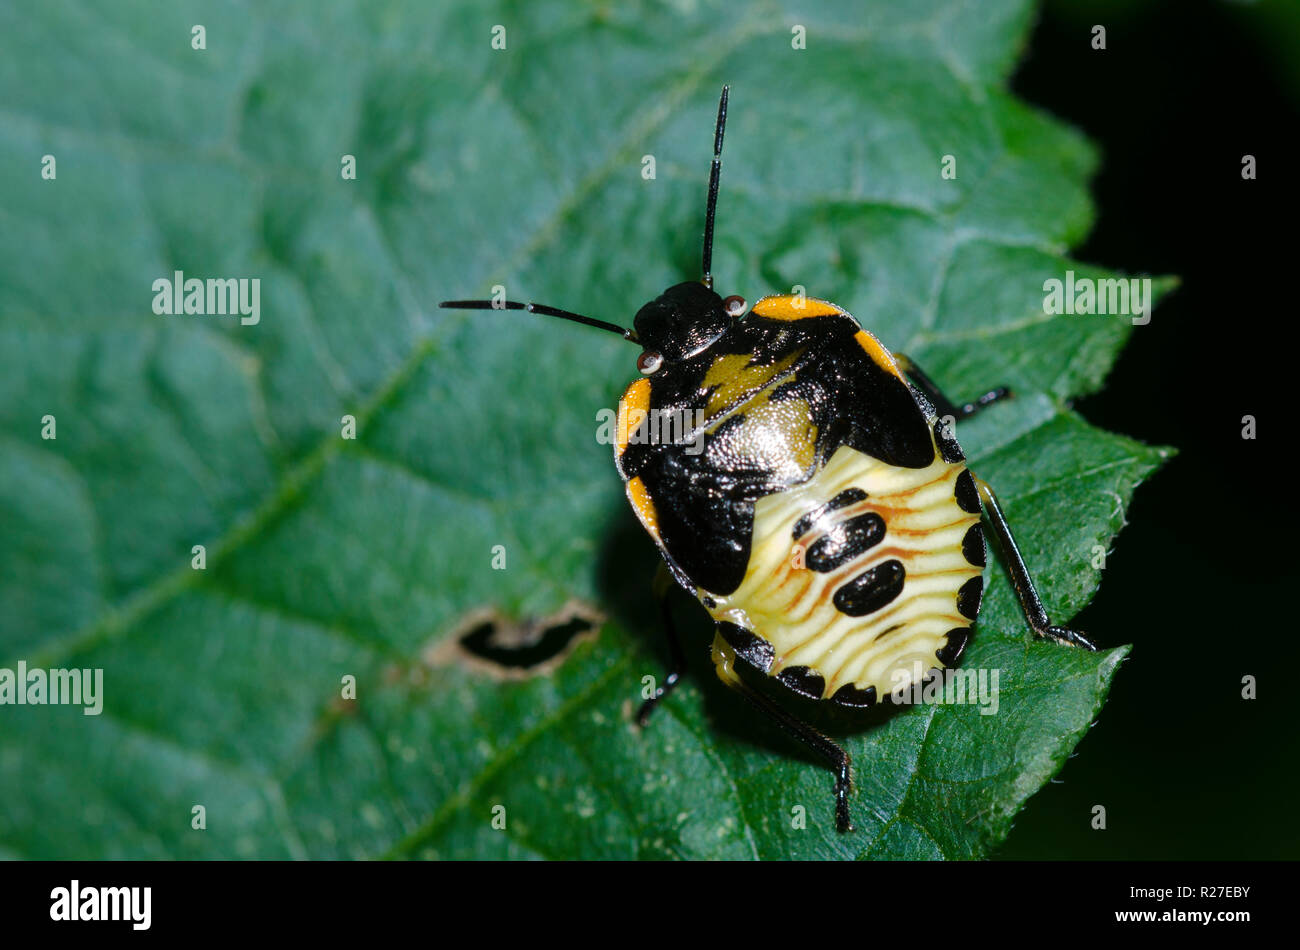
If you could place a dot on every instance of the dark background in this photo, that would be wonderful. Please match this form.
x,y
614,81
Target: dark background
x,y
1203,579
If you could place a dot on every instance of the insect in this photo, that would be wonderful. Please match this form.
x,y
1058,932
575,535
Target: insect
x,y
817,504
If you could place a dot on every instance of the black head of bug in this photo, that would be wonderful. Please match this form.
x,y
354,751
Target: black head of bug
x,y
682,321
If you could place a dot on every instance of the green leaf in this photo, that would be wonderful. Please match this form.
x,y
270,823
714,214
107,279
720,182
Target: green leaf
x,y
329,557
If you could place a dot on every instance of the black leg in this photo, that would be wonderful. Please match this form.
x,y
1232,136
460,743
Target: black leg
x,y
663,582
942,403
724,661
1035,613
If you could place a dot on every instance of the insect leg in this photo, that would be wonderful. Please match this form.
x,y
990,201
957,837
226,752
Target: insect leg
x,y
942,403
1030,602
724,662
663,582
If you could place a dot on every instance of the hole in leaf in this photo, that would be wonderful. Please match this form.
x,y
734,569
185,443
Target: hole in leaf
x,y
515,648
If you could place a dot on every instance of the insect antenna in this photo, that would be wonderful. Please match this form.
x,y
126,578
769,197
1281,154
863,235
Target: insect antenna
x,y
624,332
714,174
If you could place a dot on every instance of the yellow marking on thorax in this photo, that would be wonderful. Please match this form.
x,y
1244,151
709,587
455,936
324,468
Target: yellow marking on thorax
x,y
879,355
794,307
632,410
644,507
731,378
777,437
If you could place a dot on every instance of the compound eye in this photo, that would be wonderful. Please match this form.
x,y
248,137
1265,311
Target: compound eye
x,y
649,362
734,305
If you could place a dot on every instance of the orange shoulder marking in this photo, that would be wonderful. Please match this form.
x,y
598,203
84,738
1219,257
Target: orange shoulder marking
x,y
644,507
632,409
794,307
879,355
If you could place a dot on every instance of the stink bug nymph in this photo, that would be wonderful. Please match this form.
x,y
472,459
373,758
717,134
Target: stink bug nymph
x,y
829,524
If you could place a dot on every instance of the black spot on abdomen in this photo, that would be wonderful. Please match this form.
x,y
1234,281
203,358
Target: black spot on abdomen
x,y
968,598
850,496
972,546
968,497
871,590
850,695
804,681
844,542
951,652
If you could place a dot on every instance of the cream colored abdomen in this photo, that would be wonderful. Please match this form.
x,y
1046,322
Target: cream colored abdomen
x,y
791,606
